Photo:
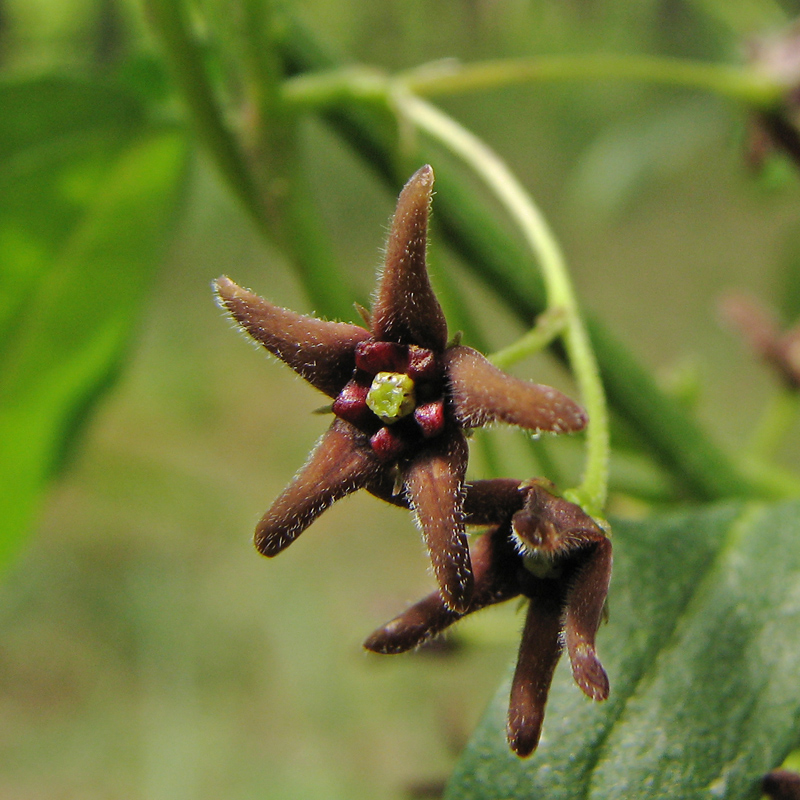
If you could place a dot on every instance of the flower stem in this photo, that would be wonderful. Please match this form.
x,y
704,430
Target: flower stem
x,y
591,494
547,328
169,20
742,84
739,83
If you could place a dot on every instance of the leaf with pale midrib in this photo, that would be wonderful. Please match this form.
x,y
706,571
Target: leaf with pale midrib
x,y
703,653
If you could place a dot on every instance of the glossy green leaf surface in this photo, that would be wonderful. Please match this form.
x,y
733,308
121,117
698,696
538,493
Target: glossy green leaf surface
x,y
703,653
87,197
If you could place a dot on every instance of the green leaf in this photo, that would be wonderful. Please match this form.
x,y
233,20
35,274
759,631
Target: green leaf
x,y
703,654
70,307
58,137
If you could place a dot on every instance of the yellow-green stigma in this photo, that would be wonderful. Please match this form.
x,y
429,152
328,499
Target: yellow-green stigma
x,y
391,396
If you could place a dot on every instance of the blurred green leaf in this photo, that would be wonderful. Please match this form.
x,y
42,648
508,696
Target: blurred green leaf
x,y
86,200
57,139
637,155
702,651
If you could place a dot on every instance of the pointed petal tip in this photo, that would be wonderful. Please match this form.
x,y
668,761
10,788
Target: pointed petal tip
x,y
383,643
523,734
271,539
406,309
375,644
589,674
423,176
224,290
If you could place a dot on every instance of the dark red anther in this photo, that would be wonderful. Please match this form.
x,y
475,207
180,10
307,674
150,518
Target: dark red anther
x,y
430,418
387,444
422,364
351,404
374,357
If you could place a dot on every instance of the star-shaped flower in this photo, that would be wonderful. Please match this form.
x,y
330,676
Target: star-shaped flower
x,y
548,550
402,396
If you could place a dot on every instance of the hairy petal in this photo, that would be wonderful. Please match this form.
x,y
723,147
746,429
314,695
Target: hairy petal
x,y
584,609
494,566
406,309
538,655
341,463
321,352
490,502
482,393
434,485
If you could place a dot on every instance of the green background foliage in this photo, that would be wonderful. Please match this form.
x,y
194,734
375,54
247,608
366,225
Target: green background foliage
x,y
145,650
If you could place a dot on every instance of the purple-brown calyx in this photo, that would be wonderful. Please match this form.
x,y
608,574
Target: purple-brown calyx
x,y
548,550
402,400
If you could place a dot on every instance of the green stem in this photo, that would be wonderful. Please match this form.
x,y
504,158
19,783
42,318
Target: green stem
x,y
169,19
518,205
739,83
742,84
549,326
779,415
260,165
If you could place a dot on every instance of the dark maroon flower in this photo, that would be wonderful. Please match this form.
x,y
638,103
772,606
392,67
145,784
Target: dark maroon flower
x,y
548,550
402,397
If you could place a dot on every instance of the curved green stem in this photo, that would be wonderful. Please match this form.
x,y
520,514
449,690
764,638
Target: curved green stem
x,y
520,207
549,326
740,83
169,19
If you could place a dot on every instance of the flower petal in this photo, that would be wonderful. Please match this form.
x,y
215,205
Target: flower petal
x,y
481,393
494,565
490,502
584,610
322,352
406,309
538,655
434,485
341,463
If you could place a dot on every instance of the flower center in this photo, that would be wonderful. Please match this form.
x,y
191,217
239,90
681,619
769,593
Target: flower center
x,y
391,396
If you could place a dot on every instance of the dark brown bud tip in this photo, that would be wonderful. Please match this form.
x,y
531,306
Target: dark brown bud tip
x,y
781,784
413,627
523,732
396,637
